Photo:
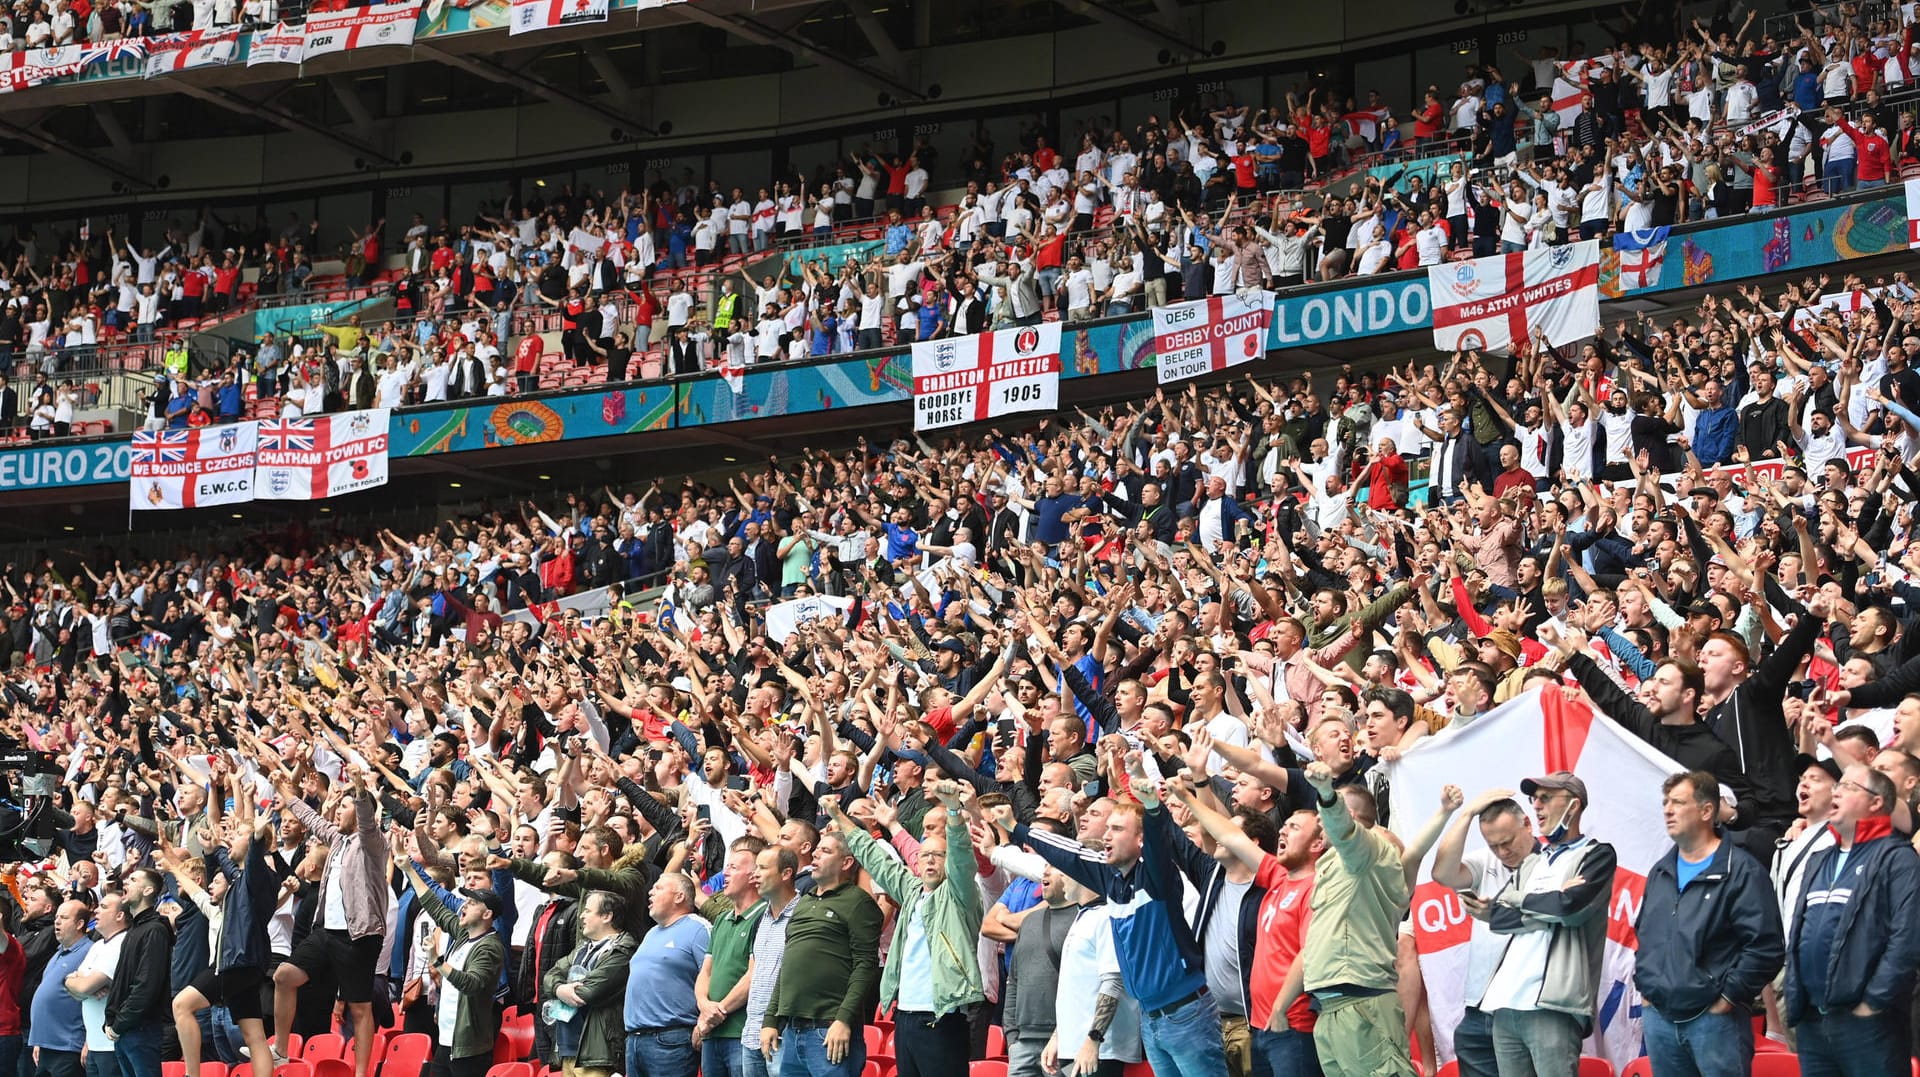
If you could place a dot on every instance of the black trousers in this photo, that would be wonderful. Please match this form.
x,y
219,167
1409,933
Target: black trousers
x,y
443,1065
924,1047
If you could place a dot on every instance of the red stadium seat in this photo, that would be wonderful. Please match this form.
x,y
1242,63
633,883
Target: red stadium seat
x,y
987,1067
1639,1067
173,1069
213,1069
511,1069
876,1039
332,1067
1595,1067
295,1068
324,1046
1776,1064
996,1042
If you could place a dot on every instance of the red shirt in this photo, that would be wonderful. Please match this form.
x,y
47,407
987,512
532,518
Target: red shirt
x,y
193,284
1243,171
1044,158
442,258
526,358
1283,932
1519,479
644,307
225,278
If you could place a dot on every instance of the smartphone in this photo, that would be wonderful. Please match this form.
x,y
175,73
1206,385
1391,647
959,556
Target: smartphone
x,y
704,813
1091,790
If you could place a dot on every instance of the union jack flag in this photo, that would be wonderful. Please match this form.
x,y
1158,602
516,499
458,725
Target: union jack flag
x,y
162,446
286,435
132,48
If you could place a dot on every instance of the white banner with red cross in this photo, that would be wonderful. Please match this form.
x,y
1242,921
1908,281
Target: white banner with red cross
x,y
1492,304
323,456
360,28
1209,335
1534,735
1913,214
967,379
191,50
190,469
529,15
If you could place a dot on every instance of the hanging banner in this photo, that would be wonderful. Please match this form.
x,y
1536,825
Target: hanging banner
x,y
1209,335
360,28
529,15
1537,734
967,379
282,45
31,67
1913,213
323,456
1492,304
185,52
190,469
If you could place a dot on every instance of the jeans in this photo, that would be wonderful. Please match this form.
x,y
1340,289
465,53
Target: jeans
x,y
1535,1043
1709,1045
803,1052
1285,1054
1842,1045
139,1052
662,1054
1838,175
1473,1045
755,1064
924,1047
1023,1055
103,1064
1185,1040
720,1058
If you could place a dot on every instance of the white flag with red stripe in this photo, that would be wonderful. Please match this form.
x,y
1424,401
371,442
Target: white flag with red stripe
x,y
1212,334
360,28
188,469
1492,304
967,379
194,49
1568,102
322,456
1913,214
282,45
1534,735
529,15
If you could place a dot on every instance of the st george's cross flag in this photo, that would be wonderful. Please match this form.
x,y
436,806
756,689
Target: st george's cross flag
x,y
1641,254
1529,737
1492,304
529,15
1913,213
188,469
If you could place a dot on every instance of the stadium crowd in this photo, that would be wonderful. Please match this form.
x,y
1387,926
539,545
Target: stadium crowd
x,y
1677,123
1076,751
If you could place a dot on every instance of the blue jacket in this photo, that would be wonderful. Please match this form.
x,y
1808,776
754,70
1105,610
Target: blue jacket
x,y
1714,431
1876,945
1718,938
252,894
1161,962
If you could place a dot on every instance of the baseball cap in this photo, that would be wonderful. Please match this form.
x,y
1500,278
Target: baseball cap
x,y
485,896
1559,779
1830,765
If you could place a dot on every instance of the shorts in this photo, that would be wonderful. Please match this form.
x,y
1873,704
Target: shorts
x,y
350,960
238,989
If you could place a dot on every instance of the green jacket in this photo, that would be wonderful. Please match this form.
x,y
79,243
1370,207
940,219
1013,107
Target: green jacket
x,y
477,1021
603,1037
631,883
953,915
1371,616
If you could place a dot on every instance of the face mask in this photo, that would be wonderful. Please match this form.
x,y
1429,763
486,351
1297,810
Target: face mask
x,y
1558,831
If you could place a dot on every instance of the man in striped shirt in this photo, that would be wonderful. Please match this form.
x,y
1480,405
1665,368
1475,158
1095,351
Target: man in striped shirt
x,y
778,868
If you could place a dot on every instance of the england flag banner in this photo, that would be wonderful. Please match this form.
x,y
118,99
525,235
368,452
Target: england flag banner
x,y
321,457
1913,213
1641,254
188,51
967,379
190,469
1537,734
360,28
1209,335
529,15
282,45
1492,304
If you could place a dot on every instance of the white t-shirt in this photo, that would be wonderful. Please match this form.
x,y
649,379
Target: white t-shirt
x,y
679,307
104,959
